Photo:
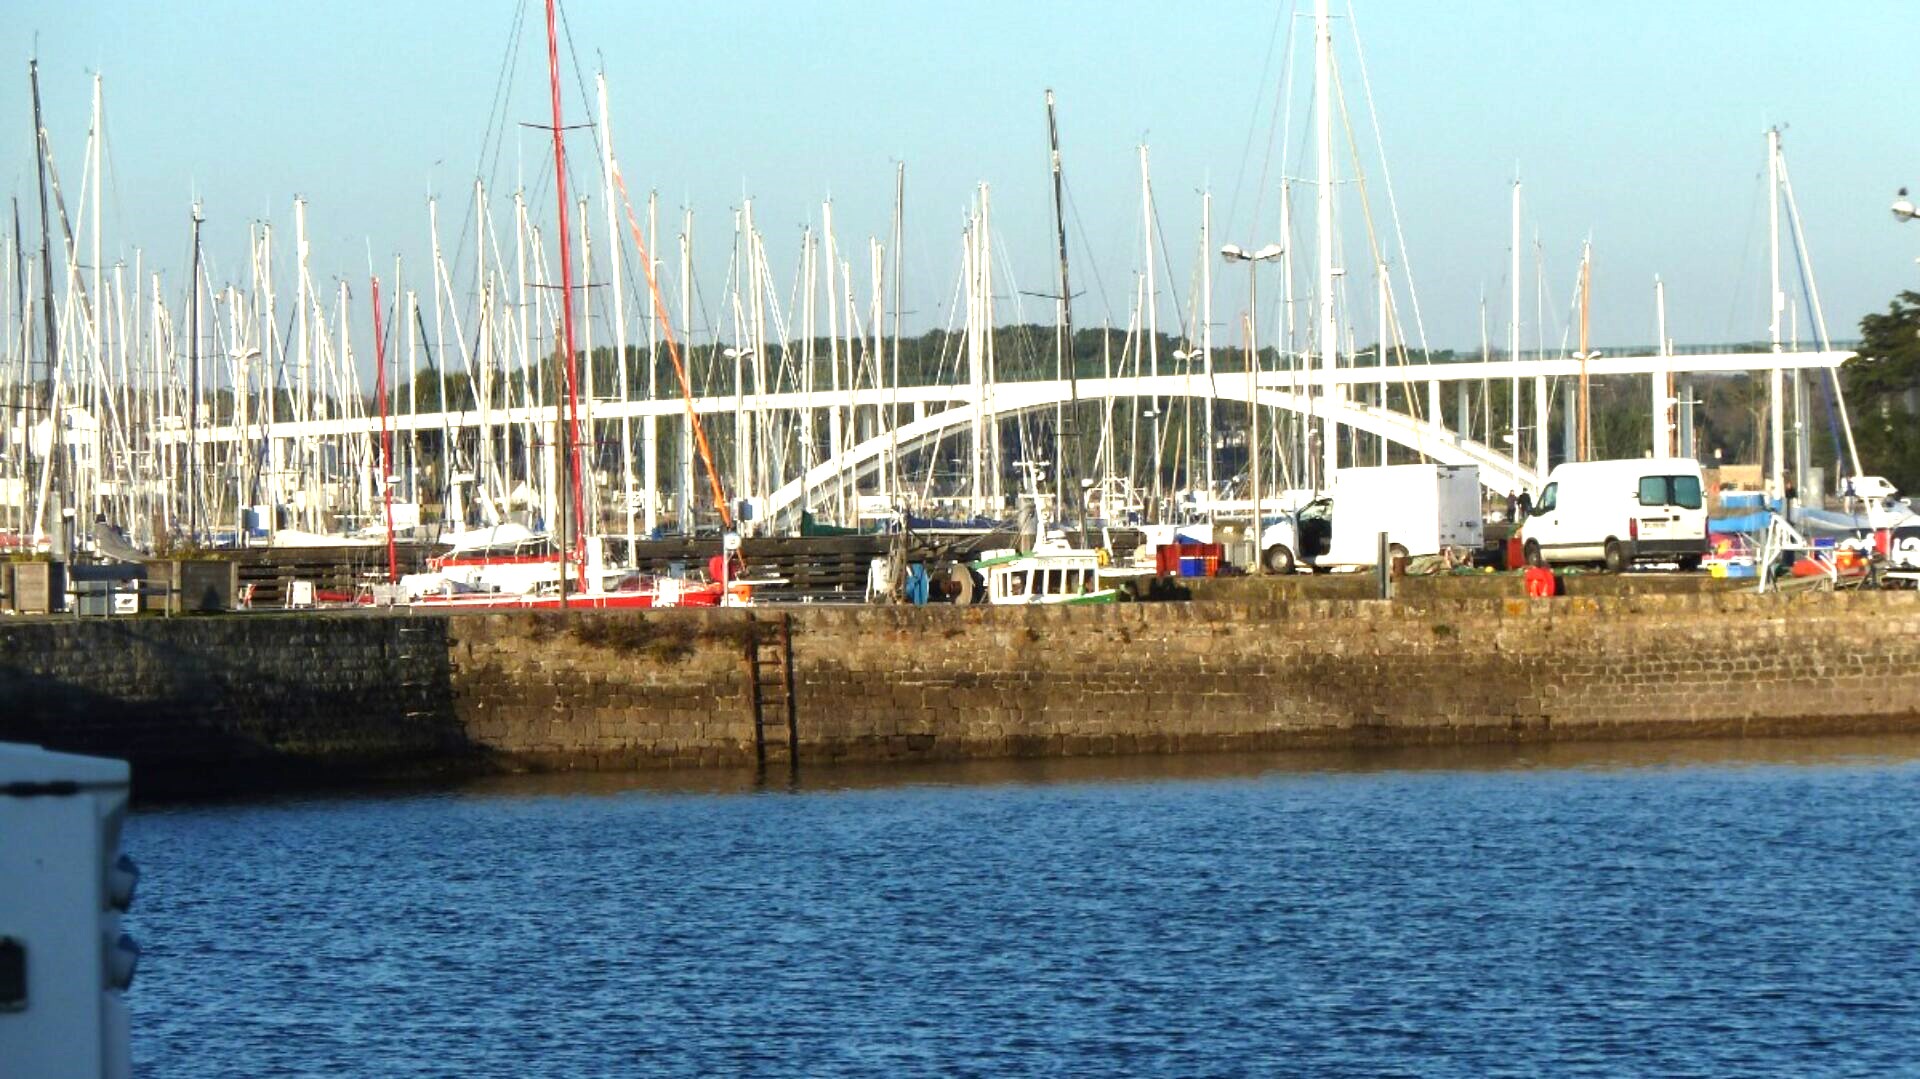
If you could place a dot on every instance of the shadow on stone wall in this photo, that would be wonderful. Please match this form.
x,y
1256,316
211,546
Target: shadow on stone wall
x,y
234,705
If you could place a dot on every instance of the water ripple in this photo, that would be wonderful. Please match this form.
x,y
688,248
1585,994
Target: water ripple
x,y
1703,920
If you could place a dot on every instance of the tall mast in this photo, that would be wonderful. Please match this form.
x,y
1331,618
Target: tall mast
x,y
583,476
619,322
1583,433
835,424
690,427
877,259
1776,301
650,428
303,373
99,130
51,500
893,411
1658,380
571,484
1382,346
269,382
481,373
193,387
758,436
809,292
449,442
1513,328
18,405
1206,332
1323,121
695,432
1151,322
1294,357
1542,404
1065,426
386,433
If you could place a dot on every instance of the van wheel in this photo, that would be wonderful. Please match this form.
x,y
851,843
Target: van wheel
x,y
1534,557
1278,559
1616,557
1689,563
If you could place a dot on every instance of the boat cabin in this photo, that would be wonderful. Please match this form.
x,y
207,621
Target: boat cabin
x,y
1044,577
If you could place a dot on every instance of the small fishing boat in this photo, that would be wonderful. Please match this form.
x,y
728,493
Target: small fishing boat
x,y
1052,572
1046,575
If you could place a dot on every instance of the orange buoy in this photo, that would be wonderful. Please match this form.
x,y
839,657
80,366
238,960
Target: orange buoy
x,y
1540,582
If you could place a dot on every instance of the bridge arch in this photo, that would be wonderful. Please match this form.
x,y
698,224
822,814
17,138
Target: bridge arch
x,y
1498,473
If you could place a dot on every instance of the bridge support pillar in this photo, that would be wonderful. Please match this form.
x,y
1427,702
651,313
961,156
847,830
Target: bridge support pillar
x,y
1542,428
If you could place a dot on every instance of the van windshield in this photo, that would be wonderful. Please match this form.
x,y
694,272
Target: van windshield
x,y
1681,491
1545,504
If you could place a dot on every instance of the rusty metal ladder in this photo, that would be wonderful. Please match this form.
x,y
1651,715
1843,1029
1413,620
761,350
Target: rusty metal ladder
x,y
769,663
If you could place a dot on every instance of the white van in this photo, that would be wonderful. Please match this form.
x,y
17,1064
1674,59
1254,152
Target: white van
x,y
1423,509
1619,513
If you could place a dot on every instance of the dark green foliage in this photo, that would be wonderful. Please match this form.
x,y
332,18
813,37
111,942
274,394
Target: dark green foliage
x,y
1883,392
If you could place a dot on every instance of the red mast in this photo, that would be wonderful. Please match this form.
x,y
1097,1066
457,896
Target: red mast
x,y
572,446
386,434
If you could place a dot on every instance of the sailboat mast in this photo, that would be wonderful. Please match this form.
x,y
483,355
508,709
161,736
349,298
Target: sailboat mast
x,y
1066,429
1151,324
53,473
1585,431
18,406
1658,382
1323,121
386,433
1206,335
193,387
893,410
571,481
1776,301
619,323
1513,329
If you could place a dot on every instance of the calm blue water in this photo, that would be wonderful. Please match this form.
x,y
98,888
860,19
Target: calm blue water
x,y
1674,910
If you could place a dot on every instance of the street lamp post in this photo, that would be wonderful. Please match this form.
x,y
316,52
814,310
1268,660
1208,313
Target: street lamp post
x,y
743,434
1234,253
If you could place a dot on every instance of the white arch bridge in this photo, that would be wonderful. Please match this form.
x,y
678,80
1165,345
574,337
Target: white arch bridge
x,y
942,411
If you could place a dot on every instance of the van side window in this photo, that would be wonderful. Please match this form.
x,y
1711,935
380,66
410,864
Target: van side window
x,y
1546,503
1686,492
1681,491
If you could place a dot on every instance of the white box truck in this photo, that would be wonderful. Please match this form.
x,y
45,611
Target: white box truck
x,y
1618,513
1423,509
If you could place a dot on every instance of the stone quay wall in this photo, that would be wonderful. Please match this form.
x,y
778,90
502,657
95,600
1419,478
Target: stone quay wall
x,y
201,704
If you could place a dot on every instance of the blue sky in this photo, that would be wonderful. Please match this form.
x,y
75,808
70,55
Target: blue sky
x,y
1639,124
